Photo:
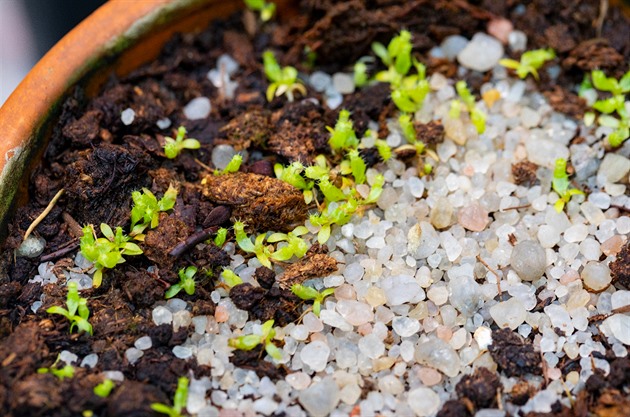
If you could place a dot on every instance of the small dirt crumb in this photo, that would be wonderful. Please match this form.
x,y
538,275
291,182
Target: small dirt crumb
x,y
454,408
559,38
521,392
430,133
316,265
594,54
84,130
251,359
524,172
135,399
244,296
514,355
265,277
250,128
480,388
36,395
620,267
612,403
262,203
566,102
159,241
294,142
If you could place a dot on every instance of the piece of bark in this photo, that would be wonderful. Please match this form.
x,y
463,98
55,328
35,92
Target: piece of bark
x,y
262,203
314,266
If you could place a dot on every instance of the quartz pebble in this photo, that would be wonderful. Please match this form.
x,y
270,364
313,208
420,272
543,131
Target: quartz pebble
x,y
619,327
320,399
355,312
453,45
405,327
613,168
473,217
90,361
162,315
315,355
510,313
343,83
423,401
143,343
32,247
596,276
481,53
127,116
528,260
133,355
439,355
197,108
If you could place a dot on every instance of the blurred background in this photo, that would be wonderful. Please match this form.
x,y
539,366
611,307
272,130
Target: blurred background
x,y
29,28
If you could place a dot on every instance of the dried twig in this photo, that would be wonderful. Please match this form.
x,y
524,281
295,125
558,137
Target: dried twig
x,y
41,217
600,317
603,11
192,240
484,263
62,251
517,207
73,226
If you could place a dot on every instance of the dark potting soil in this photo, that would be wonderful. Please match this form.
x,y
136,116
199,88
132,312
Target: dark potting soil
x,y
99,161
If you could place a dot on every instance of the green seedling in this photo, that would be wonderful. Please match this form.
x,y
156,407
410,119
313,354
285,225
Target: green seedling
x,y
292,174
220,237
409,95
407,128
186,282
296,246
384,150
62,373
530,63
357,166
266,9
616,104
173,147
397,56
309,293
319,169
477,117
230,278
334,213
104,388
233,166
310,57
560,184
283,80
250,341
106,252
408,91
360,74
342,136
77,312
147,208
375,191
179,400
330,191
341,212
262,251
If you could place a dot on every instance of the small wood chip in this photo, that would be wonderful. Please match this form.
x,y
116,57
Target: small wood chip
x,y
314,266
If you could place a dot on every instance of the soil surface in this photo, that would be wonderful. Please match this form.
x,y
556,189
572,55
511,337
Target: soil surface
x,y
99,161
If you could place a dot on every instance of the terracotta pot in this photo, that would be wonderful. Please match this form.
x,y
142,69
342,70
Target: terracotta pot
x,y
118,37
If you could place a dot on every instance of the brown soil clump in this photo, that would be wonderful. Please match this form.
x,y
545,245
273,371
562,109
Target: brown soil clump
x,y
261,202
514,355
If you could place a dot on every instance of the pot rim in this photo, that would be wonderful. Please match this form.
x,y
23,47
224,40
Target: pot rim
x,y
86,55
